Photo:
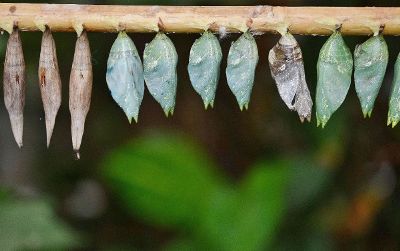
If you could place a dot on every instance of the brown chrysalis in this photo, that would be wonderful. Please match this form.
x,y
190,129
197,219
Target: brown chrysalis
x,y
14,84
80,89
287,69
49,81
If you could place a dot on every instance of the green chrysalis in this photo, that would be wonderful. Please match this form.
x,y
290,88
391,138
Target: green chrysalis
x,y
370,62
159,63
334,70
241,66
125,76
394,103
204,66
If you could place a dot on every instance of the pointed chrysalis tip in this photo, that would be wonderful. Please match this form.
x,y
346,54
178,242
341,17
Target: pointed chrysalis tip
x,y
394,123
169,111
207,104
367,114
135,118
322,123
77,155
244,106
308,118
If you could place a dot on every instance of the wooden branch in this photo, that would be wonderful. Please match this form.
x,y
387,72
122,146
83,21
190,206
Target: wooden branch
x,y
192,19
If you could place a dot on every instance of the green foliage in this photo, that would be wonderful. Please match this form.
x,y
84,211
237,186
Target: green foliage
x,y
247,218
32,225
303,190
180,245
165,180
161,178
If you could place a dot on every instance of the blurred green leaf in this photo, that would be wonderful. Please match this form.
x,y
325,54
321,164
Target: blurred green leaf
x,y
120,247
180,245
162,178
308,239
307,181
247,219
33,225
3,194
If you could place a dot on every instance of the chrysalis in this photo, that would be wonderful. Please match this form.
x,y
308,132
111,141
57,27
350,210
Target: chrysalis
x,y
159,62
125,76
49,81
334,69
204,66
241,66
14,84
370,62
80,89
394,103
287,68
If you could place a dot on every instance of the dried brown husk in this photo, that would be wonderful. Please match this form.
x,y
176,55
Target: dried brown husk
x,y
80,89
49,82
14,84
287,69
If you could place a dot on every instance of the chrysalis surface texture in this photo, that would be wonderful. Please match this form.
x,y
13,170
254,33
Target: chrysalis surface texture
x,y
80,89
125,76
287,69
334,70
370,62
204,66
159,62
14,84
49,81
241,66
394,103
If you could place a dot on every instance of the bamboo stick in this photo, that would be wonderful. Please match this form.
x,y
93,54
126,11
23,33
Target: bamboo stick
x,y
194,19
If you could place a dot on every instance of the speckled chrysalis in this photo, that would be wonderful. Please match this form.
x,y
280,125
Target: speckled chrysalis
x,y
125,75
394,102
80,89
49,81
159,64
287,69
370,62
334,70
14,84
241,66
204,66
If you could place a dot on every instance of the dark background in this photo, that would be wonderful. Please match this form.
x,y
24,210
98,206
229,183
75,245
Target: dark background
x,y
216,179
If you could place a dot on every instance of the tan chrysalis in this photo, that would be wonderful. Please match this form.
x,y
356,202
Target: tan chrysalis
x,y
80,89
14,84
49,81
